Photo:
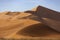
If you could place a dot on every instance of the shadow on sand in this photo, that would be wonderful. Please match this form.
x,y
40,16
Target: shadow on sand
x,y
37,30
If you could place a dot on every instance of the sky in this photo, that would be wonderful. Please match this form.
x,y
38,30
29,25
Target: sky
x,y
23,5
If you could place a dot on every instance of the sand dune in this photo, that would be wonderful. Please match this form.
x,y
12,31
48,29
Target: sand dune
x,y
39,22
47,16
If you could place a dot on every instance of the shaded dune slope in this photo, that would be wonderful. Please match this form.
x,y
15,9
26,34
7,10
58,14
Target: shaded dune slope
x,y
46,16
38,30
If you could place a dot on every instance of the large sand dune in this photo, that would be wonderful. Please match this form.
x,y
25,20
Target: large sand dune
x,y
39,22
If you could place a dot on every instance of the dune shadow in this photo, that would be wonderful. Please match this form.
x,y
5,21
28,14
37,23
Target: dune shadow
x,y
37,30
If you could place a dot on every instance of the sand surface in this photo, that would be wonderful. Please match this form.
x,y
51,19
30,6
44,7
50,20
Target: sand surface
x,y
26,25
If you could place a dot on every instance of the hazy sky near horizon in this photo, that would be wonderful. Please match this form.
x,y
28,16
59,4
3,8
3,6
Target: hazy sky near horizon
x,y
23,5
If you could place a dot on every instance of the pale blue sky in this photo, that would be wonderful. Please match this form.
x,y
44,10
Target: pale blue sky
x,y
23,5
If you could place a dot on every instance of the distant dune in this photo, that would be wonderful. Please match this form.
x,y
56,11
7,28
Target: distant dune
x,y
38,22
